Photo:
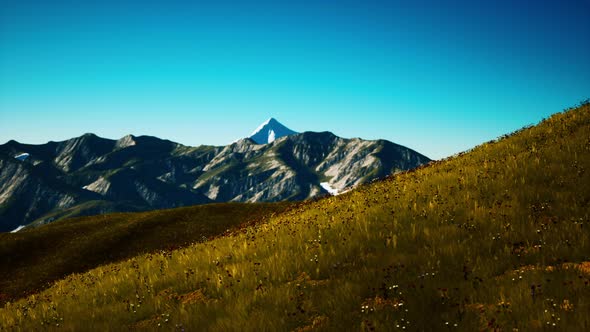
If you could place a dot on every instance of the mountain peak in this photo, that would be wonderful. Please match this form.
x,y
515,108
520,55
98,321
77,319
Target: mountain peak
x,y
270,130
125,141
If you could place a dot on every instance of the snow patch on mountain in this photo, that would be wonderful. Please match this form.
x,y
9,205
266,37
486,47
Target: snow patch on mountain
x,y
329,188
22,156
17,229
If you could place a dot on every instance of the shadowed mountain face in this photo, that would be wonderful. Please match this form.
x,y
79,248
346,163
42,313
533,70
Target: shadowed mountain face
x,y
92,175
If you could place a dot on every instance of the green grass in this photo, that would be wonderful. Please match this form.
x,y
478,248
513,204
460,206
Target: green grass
x,y
32,259
494,239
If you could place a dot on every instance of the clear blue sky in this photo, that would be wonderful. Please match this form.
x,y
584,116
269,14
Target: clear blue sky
x,y
437,76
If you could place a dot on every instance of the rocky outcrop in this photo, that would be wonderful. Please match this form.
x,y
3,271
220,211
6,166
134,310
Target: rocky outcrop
x,y
26,196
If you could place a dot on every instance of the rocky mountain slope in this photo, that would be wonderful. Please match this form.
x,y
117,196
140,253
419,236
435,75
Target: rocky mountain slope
x,y
91,175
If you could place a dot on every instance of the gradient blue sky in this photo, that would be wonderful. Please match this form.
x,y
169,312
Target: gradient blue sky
x,y
436,76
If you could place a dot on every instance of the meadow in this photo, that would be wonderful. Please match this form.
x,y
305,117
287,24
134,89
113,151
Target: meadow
x,y
496,238
34,258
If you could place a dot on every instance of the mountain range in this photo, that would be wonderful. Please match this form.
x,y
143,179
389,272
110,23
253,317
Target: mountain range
x,y
90,175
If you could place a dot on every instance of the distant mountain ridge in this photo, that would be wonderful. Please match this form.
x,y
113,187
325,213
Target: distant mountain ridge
x,y
92,175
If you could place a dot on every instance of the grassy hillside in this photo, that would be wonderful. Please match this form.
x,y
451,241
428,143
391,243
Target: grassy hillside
x,y
32,258
494,239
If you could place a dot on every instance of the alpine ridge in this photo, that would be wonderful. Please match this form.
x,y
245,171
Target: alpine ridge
x,y
90,175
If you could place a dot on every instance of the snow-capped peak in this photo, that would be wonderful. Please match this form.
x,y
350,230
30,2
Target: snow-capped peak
x,y
262,125
270,130
22,156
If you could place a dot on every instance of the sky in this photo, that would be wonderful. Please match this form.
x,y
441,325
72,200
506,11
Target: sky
x,y
437,76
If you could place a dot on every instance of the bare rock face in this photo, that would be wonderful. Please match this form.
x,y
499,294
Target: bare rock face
x,y
81,151
89,174
292,167
100,186
125,141
25,196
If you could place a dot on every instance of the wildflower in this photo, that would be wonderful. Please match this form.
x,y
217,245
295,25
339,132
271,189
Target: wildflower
x,y
566,305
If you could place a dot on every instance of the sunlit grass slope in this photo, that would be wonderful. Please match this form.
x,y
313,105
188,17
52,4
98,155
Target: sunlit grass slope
x,y
32,258
497,238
